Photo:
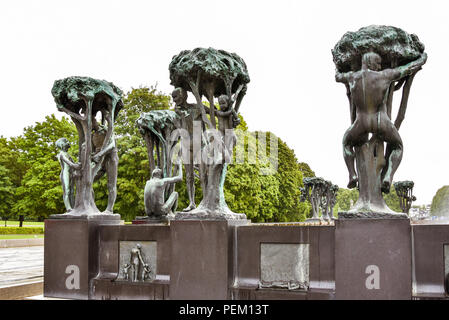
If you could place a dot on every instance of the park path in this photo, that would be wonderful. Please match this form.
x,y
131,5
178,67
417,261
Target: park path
x,y
21,265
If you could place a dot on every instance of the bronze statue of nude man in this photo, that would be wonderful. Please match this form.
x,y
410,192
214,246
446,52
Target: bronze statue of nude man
x,y
369,88
109,158
188,114
154,194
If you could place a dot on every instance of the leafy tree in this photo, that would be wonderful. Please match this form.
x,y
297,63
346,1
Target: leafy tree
x,y
6,192
392,200
305,169
440,202
346,197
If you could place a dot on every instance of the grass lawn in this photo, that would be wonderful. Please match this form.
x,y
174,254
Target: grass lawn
x,y
25,224
21,236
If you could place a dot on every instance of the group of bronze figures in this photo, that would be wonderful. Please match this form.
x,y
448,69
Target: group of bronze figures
x,y
372,62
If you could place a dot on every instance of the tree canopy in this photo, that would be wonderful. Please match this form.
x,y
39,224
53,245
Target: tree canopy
x,y
217,67
395,46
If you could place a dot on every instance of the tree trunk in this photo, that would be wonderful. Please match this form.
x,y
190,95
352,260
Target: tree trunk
x,y
84,200
370,160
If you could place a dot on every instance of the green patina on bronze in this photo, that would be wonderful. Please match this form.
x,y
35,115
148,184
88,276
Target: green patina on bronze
x,y
71,91
373,63
217,68
395,46
156,128
82,98
213,74
404,190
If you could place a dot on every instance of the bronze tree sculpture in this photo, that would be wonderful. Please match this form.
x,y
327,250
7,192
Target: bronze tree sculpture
x,y
373,62
404,190
213,74
82,98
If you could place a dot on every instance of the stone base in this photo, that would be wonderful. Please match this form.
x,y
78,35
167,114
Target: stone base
x,y
97,216
71,254
373,259
431,260
314,220
372,215
203,214
152,220
201,260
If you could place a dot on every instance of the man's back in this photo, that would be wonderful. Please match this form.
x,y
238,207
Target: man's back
x,y
155,188
369,91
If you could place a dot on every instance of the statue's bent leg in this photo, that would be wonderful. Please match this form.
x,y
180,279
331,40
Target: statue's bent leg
x,y
351,137
171,204
111,169
394,141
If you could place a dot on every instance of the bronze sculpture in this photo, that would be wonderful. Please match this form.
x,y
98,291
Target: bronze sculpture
x,y
137,269
374,62
68,172
82,98
188,114
156,206
211,73
404,190
322,195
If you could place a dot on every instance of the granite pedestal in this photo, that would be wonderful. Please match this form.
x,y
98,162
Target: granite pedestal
x,y
71,255
201,259
431,261
373,259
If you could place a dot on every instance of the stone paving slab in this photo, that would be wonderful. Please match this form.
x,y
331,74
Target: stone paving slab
x,y
21,265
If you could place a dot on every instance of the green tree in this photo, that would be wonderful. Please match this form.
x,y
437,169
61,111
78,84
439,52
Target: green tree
x,y
392,200
6,192
346,197
440,202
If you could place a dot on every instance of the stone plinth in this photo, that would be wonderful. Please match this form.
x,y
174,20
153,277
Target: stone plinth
x,y
431,260
373,259
201,259
71,255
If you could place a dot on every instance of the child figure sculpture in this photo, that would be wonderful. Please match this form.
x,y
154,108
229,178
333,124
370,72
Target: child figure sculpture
x,y
68,172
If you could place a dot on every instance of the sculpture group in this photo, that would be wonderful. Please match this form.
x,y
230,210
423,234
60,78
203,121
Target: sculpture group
x,y
84,99
322,195
373,63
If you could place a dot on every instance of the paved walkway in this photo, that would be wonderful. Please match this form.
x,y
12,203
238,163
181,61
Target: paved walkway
x,y
21,265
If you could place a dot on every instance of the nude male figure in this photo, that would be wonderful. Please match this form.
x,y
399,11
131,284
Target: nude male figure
x,y
369,88
68,170
110,161
188,114
154,194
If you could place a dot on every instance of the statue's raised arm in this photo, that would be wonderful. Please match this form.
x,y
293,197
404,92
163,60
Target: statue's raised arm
x,y
406,70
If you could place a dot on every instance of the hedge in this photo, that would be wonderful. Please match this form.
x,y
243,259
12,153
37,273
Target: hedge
x,y
23,230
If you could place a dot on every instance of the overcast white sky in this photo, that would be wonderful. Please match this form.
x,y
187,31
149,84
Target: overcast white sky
x,y
286,45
